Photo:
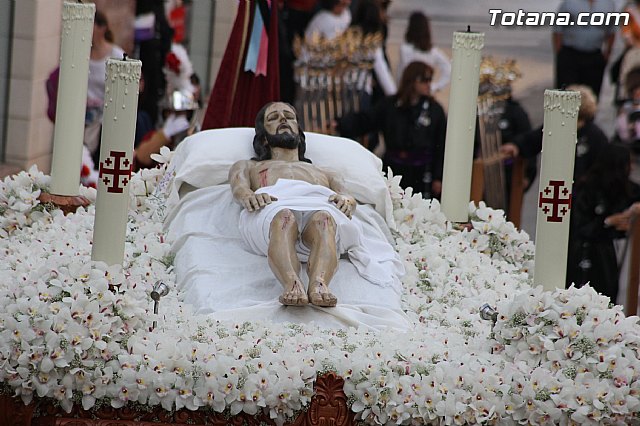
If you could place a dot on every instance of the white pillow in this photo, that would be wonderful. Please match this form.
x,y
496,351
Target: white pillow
x,y
204,159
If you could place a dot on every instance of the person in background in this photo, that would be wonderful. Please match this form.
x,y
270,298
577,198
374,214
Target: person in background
x,y
599,215
413,124
178,123
631,31
630,34
384,12
152,46
418,46
368,16
176,13
331,20
627,126
179,118
582,51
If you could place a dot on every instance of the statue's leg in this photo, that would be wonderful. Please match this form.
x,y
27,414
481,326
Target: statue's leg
x,y
320,236
283,259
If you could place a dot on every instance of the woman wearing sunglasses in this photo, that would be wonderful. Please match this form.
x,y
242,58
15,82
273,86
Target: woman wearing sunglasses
x,y
413,125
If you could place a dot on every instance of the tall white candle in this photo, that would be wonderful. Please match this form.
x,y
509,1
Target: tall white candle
x,y
556,179
116,159
461,125
75,48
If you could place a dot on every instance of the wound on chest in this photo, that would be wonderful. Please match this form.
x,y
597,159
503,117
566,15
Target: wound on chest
x,y
262,177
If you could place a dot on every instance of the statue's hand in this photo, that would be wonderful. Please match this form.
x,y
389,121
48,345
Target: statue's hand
x,y
344,203
255,201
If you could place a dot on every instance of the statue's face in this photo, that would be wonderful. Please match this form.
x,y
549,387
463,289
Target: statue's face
x,y
280,118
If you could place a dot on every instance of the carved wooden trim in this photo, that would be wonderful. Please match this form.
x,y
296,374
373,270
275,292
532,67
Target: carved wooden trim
x,y
67,203
476,193
631,305
329,404
328,407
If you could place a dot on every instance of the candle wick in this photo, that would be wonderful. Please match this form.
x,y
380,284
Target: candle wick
x,y
468,28
124,56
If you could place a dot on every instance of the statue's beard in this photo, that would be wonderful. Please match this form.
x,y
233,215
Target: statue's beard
x,y
283,140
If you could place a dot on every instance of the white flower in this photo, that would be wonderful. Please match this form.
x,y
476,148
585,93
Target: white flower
x,y
164,156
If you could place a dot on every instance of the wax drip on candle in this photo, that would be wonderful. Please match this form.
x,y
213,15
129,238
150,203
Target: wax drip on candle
x,y
568,102
468,41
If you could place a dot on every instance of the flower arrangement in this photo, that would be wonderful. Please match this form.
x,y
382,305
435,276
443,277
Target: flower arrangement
x,y
81,332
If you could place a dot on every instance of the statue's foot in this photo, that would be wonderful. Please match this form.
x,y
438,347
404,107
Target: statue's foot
x,y
294,295
320,295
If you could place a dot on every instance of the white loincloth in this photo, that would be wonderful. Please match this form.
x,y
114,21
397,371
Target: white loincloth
x,y
372,255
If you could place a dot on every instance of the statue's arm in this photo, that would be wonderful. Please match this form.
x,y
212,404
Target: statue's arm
x,y
342,199
240,181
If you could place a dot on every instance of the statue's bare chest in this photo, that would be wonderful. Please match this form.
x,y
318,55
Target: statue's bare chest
x,y
268,172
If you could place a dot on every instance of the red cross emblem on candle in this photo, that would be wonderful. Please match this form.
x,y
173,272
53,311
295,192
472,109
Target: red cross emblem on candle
x,y
555,201
116,166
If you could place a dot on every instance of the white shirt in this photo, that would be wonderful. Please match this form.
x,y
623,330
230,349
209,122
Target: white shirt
x,y
435,58
328,24
383,73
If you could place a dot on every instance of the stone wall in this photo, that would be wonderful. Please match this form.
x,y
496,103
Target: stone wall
x,y
35,53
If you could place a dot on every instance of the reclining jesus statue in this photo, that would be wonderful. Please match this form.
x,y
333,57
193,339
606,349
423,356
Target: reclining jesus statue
x,y
293,211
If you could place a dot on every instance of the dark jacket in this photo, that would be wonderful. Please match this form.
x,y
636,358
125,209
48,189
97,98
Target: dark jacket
x,y
514,121
413,135
591,253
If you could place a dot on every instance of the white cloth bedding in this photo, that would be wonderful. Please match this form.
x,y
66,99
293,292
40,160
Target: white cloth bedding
x,y
219,275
